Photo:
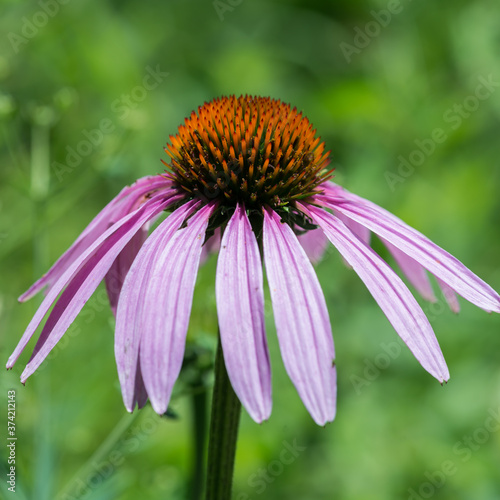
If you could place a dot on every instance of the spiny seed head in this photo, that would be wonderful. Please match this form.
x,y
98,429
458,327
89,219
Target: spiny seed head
x,y
254,150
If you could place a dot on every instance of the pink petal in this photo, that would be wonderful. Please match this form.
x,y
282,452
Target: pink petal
x,y
134,312
314,243
395,300
118,271
140,393
301,317
168,300
139,192
416,274
211,246
81,278
363,233
449,295
414,244
240,305
358,230
97,227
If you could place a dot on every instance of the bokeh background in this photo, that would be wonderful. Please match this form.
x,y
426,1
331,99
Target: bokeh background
x,y
406,95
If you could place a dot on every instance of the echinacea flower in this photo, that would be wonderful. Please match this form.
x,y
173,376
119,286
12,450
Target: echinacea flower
x,y
252,170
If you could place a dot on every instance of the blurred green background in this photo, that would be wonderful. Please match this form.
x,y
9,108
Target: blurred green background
x,y
378,79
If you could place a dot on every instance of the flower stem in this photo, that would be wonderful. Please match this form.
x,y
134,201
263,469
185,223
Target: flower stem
x,y
225,419
199,406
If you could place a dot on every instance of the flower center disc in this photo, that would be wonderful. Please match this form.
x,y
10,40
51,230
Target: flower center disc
x,y
254,150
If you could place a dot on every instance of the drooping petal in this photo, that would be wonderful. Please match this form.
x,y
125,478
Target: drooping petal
x,y
301,317
414,244
416,274
140,393
81,279
96,227
314,243
240,306
449,295
362,232
211,246
392,295
133,316
139,192
168,299
118,271
83,285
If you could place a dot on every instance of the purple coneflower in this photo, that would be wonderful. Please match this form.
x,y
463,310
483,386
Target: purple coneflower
x,y
253,170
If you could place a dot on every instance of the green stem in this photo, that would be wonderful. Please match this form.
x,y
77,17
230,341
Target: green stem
x,y
225,419
199,406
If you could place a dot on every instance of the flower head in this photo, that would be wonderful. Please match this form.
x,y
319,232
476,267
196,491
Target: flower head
x,y
252,169
251,150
